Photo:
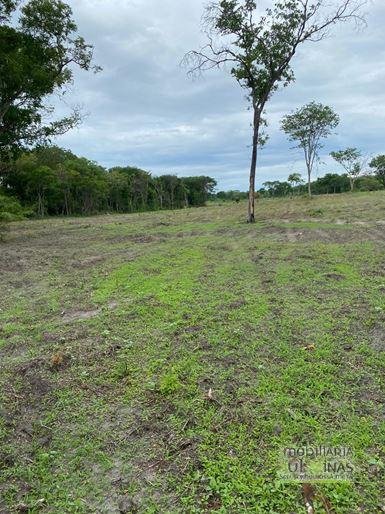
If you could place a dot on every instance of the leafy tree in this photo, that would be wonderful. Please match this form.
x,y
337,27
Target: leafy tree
x,y
277,188
171,192
378,164
6,8
160,192
269,186
259,48
41,182
351,160
53,155
198,190
31,182
307,127
10,210
66,201
331,183
37,53
118,190
54,181
16,177
89,186
235,196
72,186
295,180
368,183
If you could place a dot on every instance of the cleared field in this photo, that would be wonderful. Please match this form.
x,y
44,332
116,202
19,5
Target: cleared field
x,y
158,362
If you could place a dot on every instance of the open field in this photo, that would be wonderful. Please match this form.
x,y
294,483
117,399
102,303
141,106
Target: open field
x,y
158,362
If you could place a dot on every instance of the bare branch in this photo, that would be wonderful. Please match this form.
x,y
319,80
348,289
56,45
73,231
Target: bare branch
x,y
317,27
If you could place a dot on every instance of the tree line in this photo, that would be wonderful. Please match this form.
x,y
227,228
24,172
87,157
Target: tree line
x,y
372,179
52,181
331,183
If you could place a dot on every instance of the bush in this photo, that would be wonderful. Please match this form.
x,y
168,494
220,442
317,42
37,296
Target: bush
x,y
368,184
10,210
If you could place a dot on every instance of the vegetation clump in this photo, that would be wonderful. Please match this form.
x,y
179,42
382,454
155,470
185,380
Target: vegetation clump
x,y
10,210
53,181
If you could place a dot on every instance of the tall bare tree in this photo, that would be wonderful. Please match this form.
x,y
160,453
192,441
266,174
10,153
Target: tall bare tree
x,y
259,46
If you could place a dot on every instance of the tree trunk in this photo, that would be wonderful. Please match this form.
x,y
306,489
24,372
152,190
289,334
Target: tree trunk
x,y
351,184
253,167
40,203
66,207
309,182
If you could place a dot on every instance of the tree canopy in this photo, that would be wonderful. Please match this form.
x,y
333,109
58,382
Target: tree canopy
x,y
351,160
54,181
378,165
307,127
39,47
331,183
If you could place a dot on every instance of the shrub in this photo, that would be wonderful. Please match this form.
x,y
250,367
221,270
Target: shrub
x,y
10,210
368,184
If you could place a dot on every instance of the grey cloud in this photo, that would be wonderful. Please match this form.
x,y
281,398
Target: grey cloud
x,y
145,111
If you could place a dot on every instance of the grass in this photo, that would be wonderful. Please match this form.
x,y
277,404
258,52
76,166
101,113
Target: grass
x,y
159,362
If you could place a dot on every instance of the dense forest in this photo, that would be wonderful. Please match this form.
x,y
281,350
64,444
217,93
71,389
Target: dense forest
x,y
53,181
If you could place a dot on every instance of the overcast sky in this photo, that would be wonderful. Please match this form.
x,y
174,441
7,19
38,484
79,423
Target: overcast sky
x,y
144,111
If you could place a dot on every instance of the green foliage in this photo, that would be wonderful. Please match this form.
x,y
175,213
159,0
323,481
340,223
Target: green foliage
x,y
122,371
169,383
295,179
277,188
37,53
351,160
6,8
261,48
199,189
307,127
368,183
378,164
235,196
10,210
140,191
57,182
331,183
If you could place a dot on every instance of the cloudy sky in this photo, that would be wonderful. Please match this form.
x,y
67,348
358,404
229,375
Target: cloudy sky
x,y
144,111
